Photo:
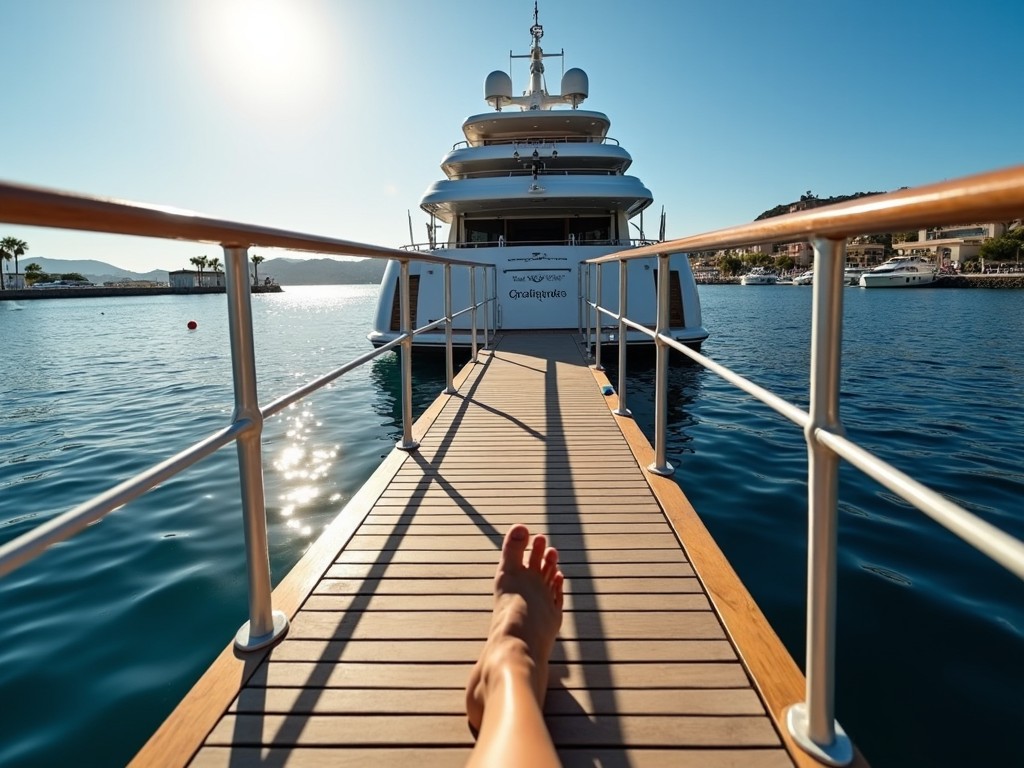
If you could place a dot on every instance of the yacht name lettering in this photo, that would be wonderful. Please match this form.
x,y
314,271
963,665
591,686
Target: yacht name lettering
x,y
537,278
535,294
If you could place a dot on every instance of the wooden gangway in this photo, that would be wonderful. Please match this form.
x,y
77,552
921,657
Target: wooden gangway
x,y
663,659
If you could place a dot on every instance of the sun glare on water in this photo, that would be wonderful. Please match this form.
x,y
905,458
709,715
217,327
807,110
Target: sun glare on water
x,y
270,55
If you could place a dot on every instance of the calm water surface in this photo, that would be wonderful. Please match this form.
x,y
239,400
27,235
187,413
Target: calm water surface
x,y
115,625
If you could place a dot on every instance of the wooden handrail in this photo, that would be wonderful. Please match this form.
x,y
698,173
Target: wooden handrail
x,y
985,197
39,207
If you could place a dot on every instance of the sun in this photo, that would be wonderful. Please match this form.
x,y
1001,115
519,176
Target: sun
x,y
268,53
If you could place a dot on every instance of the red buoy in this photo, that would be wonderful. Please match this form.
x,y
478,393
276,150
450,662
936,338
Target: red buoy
x,y
192,325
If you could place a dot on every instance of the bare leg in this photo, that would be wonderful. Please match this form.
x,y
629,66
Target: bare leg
x,y
505,694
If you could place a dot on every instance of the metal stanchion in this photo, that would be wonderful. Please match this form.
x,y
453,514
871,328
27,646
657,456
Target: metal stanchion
x,y
812,723
265,625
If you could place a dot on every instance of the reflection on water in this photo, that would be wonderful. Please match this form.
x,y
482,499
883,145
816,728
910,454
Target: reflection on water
x,y
684,384
301,468
429,374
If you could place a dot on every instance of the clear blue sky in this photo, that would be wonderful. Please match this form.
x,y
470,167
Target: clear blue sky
x,y
330,116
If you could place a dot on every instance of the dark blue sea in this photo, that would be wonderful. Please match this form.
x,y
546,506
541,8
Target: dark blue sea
x,y
102,635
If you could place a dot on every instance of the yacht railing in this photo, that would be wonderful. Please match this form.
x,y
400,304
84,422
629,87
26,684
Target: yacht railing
x,y
536,141
501,242
995,196
47,208
562,170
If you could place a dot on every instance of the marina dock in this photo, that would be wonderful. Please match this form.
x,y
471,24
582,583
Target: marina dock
x,y
361,653
663,659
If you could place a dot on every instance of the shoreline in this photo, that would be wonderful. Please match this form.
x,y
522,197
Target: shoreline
x,y
998,281
104,292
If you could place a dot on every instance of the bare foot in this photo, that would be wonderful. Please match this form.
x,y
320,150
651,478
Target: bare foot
x,y
528,601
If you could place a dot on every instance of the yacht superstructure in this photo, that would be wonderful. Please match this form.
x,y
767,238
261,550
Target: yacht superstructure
x,y
536,187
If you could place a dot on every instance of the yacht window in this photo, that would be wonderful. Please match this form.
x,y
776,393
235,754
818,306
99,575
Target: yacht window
x,y
592,229
484,231
583,230
536,231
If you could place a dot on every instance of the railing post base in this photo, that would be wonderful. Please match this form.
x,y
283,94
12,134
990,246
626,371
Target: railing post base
x,y
412,445
246,643
839,752
665,470
623,412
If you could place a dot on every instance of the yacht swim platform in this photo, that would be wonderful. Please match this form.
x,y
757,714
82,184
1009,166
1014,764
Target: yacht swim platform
x,y
663,658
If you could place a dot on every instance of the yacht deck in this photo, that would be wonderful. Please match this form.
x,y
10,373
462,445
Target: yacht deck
x,y
663,658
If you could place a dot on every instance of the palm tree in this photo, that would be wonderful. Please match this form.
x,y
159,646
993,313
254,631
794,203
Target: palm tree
x,y
200,263
11,248
256,261
33,273
215,267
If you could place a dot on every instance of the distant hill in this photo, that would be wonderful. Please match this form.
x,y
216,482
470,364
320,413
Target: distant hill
x,y
811,201
97,272
285,271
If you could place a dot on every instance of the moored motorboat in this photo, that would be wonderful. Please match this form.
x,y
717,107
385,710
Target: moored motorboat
x,y
535,191
804,278
900,272
759,276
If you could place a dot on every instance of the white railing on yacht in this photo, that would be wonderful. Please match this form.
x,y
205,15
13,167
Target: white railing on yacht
x,y
532,141
46,208
996,196
501,242
566,170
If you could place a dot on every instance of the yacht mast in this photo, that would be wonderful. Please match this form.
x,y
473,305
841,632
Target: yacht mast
x,y
537,91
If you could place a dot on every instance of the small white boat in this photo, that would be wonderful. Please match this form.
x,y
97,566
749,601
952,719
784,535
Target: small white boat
x,y
900,272
759,276
805,278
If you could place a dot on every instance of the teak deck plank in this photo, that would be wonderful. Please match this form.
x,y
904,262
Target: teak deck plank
x,y
359,757
390,608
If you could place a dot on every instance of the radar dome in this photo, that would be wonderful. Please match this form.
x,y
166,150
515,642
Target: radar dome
x,y
498,89
575,85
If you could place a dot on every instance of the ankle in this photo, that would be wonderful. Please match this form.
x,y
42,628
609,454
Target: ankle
x,y
510,652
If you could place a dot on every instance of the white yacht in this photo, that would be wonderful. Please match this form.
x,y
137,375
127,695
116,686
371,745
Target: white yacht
x,y
900,272
759,276
536,187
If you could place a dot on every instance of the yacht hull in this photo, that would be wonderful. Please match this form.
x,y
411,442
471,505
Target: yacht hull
x,y
897,280
537,288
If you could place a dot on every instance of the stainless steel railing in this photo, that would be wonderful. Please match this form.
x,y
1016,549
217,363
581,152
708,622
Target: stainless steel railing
x,y
47,208
996,196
